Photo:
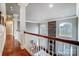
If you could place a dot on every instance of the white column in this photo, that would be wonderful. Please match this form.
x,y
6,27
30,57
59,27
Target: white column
x,y
77,13
22,21
22,15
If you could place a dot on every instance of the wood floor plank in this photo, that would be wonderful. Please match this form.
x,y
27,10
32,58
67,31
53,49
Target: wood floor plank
x,y
12,48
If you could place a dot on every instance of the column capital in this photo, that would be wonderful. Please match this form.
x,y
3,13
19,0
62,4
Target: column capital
x,y
23,4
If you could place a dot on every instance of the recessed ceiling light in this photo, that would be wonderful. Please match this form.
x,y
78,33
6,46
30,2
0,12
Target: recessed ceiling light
x,y
50,5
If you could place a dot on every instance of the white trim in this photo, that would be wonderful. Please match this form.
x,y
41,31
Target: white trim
x,y
47,20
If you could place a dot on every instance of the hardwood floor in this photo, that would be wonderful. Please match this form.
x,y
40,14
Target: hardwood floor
x,y
12,48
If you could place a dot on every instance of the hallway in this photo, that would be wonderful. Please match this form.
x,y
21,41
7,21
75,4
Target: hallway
x,y
12,48
31,28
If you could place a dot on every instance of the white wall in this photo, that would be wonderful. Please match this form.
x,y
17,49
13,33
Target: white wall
x,y
43,31
3,32
32,28
0,7
16,33
2,38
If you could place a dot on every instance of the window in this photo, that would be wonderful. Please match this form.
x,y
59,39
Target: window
x,y
18,25
65,29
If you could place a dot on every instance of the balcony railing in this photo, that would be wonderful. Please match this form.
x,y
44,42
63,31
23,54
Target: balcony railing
x,y
50,46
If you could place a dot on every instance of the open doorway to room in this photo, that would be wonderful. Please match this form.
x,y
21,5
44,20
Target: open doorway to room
x,y
9,26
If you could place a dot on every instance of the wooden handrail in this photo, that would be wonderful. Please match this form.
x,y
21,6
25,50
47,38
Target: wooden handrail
x,y
54,38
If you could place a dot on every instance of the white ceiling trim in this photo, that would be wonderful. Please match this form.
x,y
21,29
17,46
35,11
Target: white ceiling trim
x,y
48,20
23,4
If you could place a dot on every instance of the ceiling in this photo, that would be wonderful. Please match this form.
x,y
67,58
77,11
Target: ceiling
x,y
41,11
15,9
